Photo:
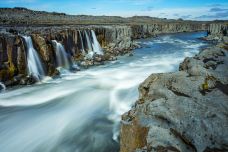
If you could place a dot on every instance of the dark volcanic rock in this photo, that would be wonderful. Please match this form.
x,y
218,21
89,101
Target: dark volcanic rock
x,y
115,35
115,40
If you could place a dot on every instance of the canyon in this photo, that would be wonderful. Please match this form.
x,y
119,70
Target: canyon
x,y
115,35
182,111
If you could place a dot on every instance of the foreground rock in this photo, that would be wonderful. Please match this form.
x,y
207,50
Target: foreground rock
x,y
184,111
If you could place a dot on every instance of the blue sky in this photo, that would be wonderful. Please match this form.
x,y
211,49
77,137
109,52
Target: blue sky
x,y
187,9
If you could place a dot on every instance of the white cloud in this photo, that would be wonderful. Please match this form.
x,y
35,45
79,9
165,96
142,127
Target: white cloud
x,y
171,13
20,1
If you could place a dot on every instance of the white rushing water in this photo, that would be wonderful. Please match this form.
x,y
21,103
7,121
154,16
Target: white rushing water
x,y
2,86
34,64
81,111
62,58
96,46
82,44
89,45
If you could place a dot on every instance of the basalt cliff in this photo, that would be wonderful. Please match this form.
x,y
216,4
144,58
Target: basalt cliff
x,y
115,35
184,111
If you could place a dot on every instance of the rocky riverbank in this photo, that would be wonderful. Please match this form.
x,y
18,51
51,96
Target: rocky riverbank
x,y
185,110
115,35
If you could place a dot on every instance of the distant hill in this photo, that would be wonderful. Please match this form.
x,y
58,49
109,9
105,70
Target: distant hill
x,y
24,16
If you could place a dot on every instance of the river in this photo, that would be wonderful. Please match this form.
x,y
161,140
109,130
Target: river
x,y
80,112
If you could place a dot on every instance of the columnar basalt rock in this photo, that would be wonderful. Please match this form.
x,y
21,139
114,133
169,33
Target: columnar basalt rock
x,y
115,40
218,32
218,29
12,58
148,30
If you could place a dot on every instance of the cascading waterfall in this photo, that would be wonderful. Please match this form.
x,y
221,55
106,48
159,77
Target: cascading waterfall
x,y
82,44
96,46
61,55
89,46
34,64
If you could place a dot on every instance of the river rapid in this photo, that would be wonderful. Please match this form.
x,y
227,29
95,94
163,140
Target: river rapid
x,y
81,112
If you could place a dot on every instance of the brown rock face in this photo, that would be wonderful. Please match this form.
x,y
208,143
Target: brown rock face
x,y
133,136
41,46
12,57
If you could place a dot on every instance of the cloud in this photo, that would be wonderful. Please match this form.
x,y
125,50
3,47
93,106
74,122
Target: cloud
x,y
214,5
217,9
219,15
135,2
127,8
149,8
20,1
186,16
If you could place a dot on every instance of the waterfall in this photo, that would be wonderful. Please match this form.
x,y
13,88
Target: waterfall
x,y
34,64
89,45
61,55
96,46
2,86
82,44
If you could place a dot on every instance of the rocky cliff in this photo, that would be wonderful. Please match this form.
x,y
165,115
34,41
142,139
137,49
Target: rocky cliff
x,y
218,32
218,29
148,30
115,40
184,111
115,35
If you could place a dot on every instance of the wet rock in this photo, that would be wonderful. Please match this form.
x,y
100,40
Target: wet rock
x,y
41,45
29,80
86,63
130,54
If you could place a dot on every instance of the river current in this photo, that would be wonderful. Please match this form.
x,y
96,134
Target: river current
x,y
81,112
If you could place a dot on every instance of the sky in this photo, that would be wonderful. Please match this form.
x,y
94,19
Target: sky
x,y
172,9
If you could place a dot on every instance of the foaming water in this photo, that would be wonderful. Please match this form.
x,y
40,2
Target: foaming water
x,y
81,111
96,46
89,45
2,86
62,58
34,64
82,44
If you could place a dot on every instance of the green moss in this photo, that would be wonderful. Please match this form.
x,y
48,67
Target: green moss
x,y
205,86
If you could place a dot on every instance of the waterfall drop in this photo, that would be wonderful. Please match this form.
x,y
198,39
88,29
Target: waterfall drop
x,y
89,46
34,64
61,55
96,46
82,44
2,86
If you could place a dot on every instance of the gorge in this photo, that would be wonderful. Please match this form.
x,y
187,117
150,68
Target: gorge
x,y
66,82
